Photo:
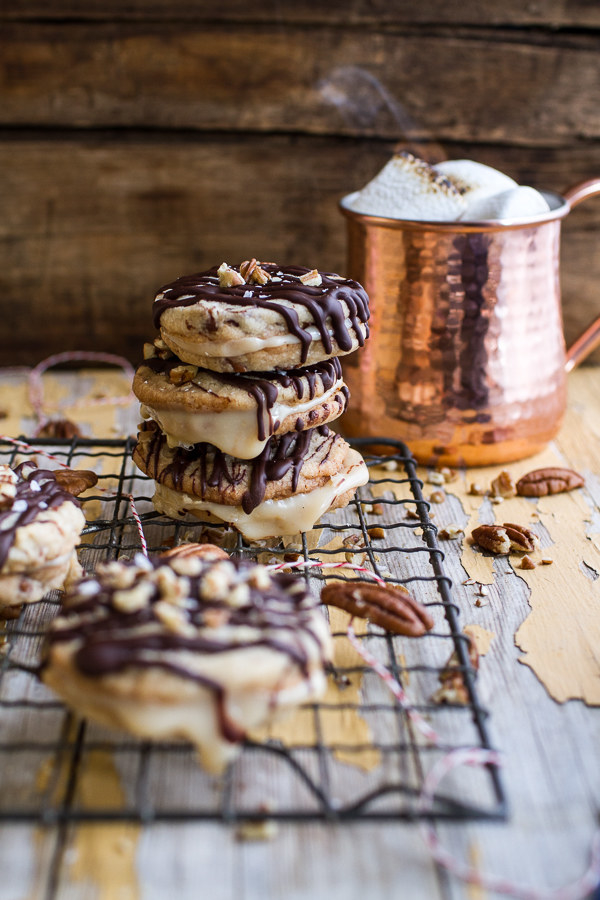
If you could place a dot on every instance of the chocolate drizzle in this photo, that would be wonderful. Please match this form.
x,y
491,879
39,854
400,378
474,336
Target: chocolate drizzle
x,y
209,467
264,389
110,641
36,490
325,303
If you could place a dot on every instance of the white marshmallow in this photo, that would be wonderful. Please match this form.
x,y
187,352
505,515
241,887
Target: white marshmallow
x,y
517,203
474,180
409,188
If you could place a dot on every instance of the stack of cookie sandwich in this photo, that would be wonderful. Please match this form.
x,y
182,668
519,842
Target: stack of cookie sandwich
x,y
238,391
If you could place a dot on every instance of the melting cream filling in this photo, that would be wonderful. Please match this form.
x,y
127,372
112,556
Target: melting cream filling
x,y
234,431
241,346
272,518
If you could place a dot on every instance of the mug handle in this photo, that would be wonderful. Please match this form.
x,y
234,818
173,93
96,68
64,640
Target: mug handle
x,y
590,339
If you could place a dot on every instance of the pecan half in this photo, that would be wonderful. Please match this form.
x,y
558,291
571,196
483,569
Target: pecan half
x,y
199,551
59,428
393,608
542,482
521,538
492,537
75,481
501,539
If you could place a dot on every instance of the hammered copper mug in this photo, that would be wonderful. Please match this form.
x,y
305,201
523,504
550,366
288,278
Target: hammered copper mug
x,y
466,361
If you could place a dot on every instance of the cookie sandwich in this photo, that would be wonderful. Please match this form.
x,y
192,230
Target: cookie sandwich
x,y
40,525
190,645
238,392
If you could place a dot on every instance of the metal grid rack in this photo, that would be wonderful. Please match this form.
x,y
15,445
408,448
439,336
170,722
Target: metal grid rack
x,y
358,757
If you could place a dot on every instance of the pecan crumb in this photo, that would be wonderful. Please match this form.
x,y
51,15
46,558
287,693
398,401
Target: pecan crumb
x,y
477,490
527,563
504,485
437,496
376,533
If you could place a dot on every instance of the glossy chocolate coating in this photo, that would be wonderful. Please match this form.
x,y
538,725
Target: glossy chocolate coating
x,y
323,303
38,490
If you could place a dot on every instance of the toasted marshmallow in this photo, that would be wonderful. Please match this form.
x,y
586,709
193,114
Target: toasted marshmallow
x,y
409,188
516,203
474,180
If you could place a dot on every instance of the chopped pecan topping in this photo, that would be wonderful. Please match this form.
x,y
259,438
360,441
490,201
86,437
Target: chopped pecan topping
x,y
8,487
76,481
228,277
542,482
183,374
313,278
393,608
504,485
250,270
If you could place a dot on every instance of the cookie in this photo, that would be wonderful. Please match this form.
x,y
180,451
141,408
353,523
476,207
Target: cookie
x,y
187,647
40,525
286,489
231,320
237,413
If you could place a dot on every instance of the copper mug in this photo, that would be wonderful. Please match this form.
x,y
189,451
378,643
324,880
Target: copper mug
x,y
466,361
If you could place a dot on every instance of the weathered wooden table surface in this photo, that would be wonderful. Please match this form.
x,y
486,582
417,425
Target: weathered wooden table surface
x,y
540,678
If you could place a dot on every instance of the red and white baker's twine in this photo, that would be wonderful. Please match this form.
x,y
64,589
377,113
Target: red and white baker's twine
x,y
36,387
468,756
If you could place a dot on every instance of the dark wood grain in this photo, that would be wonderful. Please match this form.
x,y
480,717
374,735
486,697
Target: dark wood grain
x,y
92,227
550,13
490,87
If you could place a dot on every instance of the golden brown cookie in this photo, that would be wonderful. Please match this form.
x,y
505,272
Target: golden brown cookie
x,y
225,320
187,647
40,526
237,413
286,489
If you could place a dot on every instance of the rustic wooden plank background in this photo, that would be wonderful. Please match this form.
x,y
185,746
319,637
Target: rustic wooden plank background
x,y
139,141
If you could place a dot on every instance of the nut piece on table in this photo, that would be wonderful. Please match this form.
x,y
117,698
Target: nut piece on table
x,y
393,608
75,481
503,485
63,429
527,563
501,539
451,532
453,686
198,551
542,482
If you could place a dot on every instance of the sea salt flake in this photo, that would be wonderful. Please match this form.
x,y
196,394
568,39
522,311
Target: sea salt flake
x,y
247,294
34,485
19,506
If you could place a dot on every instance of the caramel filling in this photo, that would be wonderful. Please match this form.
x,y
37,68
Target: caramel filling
x,y
234,431
272,518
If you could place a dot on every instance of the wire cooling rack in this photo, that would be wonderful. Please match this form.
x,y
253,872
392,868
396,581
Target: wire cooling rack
x,y
353,756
